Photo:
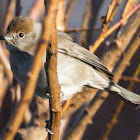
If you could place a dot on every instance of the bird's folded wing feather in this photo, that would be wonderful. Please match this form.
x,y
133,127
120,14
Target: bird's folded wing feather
x,y
76,51
67,46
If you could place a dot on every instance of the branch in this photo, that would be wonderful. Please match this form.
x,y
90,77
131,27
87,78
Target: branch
x,y
54,88
5,62
105,34
33,75
127,78
127,57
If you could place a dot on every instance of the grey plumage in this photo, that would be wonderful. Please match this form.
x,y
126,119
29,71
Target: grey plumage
x,y
77,67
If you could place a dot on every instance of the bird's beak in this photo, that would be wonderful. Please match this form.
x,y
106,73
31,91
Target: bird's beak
x,y
2,38
5,38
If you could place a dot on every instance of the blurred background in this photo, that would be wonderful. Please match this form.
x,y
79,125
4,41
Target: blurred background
x,y
98,115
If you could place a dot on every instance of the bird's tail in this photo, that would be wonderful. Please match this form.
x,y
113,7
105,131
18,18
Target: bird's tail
x,y
128,95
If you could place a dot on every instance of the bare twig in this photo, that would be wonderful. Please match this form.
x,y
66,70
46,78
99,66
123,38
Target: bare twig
x,y
65,107
110,17
127,78
104,35
110,9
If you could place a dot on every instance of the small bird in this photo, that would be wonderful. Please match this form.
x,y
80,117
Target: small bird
x,y
76,67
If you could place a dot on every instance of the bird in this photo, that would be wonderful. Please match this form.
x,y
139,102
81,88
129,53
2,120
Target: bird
x,y
76,66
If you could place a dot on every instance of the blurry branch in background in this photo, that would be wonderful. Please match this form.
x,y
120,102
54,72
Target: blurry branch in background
x,y
106,33
9,76
37,9
111,12
127,78
129,6
5,62
18,8
111,57
9,13
118,72
61,15
68,11
134,45
87,16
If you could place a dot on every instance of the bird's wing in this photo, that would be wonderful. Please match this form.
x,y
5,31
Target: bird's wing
x,y
76,51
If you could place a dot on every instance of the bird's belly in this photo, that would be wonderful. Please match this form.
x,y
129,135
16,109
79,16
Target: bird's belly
x,y
73,75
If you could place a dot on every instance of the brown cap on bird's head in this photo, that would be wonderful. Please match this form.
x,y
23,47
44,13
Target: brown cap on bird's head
x,y
20,24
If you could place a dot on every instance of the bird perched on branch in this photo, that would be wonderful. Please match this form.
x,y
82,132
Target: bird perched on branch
x,y
76,67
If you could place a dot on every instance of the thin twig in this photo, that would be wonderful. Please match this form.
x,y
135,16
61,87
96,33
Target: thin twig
x,y
110,9
104,35
37,9
127,78
109,20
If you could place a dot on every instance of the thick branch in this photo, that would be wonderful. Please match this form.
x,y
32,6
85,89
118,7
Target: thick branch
x,y
33,75
54,89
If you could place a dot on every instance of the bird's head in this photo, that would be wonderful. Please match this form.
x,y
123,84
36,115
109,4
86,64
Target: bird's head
x,y
22,33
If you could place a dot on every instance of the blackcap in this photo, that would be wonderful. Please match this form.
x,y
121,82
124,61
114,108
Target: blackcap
x,y
77,67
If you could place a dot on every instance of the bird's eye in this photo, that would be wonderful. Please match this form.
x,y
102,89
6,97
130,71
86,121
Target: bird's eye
x,y
21,35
